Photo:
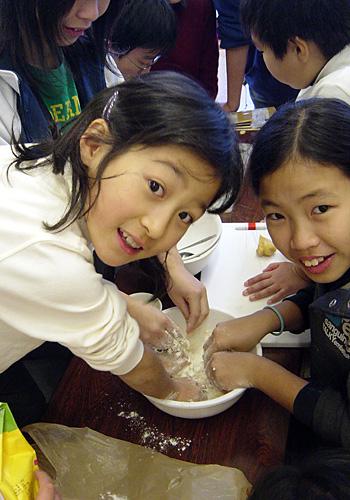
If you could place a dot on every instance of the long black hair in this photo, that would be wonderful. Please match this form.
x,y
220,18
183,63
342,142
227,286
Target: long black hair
x,y
34,25
29,31
315,129
31,28
158,108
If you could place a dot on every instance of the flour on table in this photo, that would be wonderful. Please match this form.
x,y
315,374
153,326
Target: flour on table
x,y
151,437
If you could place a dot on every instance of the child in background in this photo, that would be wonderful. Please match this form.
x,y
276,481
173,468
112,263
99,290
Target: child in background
x,y
142,32
128,178
51,65
307,48
244,64
196,53
300,170
321,475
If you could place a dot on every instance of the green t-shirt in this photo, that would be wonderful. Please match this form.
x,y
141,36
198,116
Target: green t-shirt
x,y
58,91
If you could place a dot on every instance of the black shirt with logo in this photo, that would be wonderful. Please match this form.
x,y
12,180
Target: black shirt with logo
x,y
324,404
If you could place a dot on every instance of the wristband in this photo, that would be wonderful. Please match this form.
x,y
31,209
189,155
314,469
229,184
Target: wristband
x,y
280,317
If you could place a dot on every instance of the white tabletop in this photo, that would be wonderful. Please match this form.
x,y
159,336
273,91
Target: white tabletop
x,y
233,261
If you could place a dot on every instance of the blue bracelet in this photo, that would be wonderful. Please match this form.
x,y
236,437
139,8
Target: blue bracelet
x,y
280,317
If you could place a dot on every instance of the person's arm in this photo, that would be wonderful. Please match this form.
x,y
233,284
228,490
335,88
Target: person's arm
x,y
236,61
277,281
152,322
242,334
326,411
231,370
149,377
236,43
187,293
74,306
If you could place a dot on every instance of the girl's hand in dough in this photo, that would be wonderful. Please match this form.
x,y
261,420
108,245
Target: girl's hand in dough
x,y
239,334
187,390
153,323
232,370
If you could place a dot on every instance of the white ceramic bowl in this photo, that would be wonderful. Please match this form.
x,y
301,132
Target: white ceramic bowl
x,y
200,409
146,298
197,264
207,225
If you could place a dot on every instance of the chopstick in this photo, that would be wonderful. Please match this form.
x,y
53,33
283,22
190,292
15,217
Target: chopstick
x,y
197,242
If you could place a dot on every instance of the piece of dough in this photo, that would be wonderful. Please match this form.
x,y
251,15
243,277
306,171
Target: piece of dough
x,y
265,247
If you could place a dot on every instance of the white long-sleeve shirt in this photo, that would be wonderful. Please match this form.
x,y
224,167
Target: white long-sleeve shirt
x,y
49,289
333,81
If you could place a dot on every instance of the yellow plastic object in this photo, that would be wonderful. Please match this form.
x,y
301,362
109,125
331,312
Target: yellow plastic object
x,y
265,247
17,461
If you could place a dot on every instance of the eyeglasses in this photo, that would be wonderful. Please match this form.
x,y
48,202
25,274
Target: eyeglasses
x,y
143,67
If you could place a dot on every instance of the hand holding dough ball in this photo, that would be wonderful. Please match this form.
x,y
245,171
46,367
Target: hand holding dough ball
x,y
265,247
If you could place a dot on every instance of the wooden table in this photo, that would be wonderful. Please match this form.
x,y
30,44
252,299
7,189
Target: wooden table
x,y
251,435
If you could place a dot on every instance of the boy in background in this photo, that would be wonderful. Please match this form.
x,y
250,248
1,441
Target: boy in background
x,y
307,47
245,64
142,32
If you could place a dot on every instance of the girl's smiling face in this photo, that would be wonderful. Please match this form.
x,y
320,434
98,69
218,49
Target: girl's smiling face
x,y
307,209
149,196
79,19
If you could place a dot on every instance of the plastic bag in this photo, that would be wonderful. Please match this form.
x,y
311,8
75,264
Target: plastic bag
x,y
91,466
17,461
